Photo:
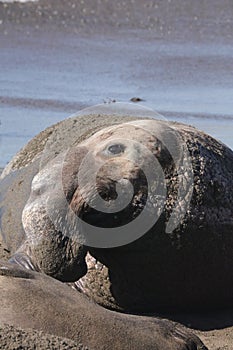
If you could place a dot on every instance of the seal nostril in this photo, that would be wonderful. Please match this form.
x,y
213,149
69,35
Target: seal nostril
x,y
107,191
116,148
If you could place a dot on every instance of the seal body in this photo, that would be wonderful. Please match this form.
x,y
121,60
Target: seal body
x,y
178,255
57,309
189,267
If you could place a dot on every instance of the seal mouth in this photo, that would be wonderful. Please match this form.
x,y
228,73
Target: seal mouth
x,y
111,220
107,190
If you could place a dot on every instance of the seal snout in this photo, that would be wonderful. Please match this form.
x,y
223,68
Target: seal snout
x,y
118,195
112,178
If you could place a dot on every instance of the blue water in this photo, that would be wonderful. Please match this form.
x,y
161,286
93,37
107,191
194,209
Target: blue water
x,y
47,76
19,125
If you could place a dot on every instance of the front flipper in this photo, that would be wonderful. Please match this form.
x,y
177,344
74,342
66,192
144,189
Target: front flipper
x,y
23,260
13,270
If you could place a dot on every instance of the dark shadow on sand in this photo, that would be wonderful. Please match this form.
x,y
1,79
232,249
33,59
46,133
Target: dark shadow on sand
x,y
202,321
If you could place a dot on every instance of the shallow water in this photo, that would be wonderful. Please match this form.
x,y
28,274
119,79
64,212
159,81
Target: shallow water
x,y
49,74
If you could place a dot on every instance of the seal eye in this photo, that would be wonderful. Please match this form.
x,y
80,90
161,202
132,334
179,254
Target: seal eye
x,y
116,149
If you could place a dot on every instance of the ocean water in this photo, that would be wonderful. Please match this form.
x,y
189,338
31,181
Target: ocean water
x,y
48,74
47,77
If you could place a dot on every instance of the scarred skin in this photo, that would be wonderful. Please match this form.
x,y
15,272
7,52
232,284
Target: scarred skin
x,y
189,268
182,269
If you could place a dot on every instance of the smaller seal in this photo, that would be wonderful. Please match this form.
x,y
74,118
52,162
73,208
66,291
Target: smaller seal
x,y
63,312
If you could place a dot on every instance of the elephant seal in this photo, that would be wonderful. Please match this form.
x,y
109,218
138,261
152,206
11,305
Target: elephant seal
x,y
189,267
182,260
32,300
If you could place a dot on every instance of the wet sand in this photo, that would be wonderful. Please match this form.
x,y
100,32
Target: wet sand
x,y
60,56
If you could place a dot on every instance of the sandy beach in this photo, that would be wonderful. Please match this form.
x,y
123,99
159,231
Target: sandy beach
x,y
58,57
16,338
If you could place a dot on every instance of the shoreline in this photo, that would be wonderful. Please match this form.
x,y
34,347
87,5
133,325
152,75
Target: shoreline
x,y
50,74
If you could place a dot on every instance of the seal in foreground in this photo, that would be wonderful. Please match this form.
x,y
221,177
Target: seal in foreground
x,y
57,309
